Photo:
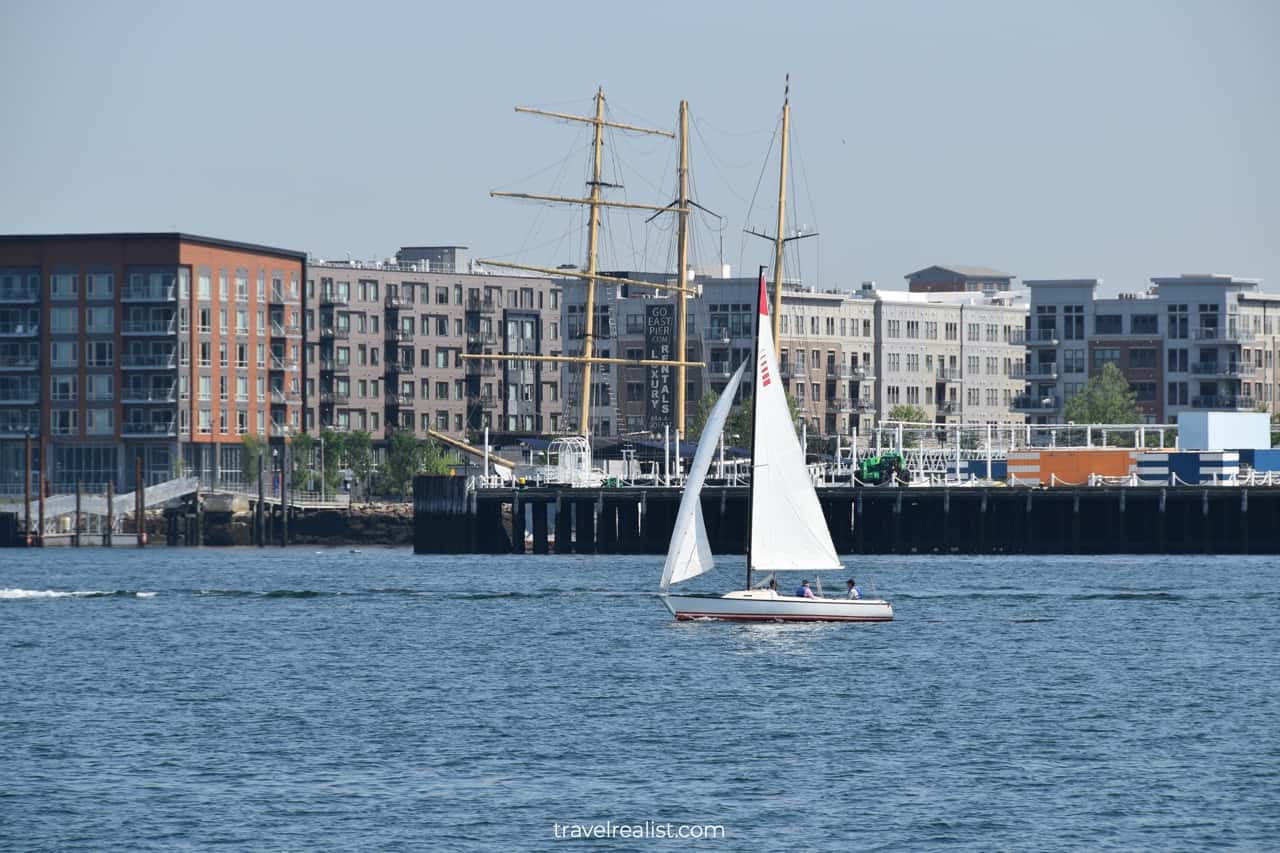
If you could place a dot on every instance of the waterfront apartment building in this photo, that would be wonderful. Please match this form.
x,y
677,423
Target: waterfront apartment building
x,y
163,347
1193,342
959,279
847,357
384,346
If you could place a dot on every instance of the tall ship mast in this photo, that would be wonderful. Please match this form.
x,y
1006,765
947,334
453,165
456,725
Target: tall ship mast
x,y
595,202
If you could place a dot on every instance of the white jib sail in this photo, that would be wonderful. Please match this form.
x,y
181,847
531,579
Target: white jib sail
x,y
689,554
788,530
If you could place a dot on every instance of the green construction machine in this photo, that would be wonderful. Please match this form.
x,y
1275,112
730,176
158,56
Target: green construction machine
x,y
877,470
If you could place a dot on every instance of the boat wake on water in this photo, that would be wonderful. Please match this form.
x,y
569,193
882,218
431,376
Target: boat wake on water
x,y
33,594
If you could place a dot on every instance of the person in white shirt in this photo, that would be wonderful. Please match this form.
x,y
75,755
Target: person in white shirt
x,y
854,592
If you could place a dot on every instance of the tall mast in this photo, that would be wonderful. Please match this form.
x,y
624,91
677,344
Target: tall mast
x,y
779,240
595,202
762,308
683,280
593,234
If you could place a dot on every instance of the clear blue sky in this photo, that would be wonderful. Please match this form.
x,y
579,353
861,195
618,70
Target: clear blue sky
x,y
1119,140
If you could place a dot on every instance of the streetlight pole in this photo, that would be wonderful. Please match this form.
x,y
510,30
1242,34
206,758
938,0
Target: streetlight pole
x,y
322,469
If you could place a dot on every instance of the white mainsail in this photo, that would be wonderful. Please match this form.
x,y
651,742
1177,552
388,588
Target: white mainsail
x,y
689,554
788,530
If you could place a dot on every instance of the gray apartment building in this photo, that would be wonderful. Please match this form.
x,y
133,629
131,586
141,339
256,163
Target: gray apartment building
x,y
1192,342
847,357
951,278
384,346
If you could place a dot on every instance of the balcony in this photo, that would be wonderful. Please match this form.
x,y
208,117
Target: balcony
x,y
1035,337
16,357
148,327
19,330
328,365
341,334
949,407
478,367
391,333
716,333
276,296
1213,333
394,401
279,430
784,370
397,303
148,395
330,297
1047,370
147,361
1031,403
948,374
282,363
28,395
482,401
394,367
334,398
19,423
483,306
280,330
719,369
22,294
148,293
1224,402
148,429
483,339
1231,369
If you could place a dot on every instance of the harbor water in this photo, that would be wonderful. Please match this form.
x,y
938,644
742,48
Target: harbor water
x,y
295,699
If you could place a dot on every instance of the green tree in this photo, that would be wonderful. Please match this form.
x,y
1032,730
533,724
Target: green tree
x,y
700,415
1106,399
401,462
301,448
335,444
360,456
252,449
910,414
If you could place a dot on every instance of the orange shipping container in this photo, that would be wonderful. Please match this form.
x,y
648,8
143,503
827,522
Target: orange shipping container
x,y
1070,466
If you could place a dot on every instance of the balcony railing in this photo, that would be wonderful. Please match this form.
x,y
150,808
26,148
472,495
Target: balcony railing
x,y
396,400
483,401
1035,403
1034,337
394,366
281,396
148,327
19,423
19,330
394,334
335,398
484,306
715,333
719,368
396,303
1043,370
23,396
281,363
280,330
486,339
279,430
948,374
1214,368
1213,333
148,293
949,407
21,294
330,297
1223,402
22,360
148,428
477,367
341,334
133,394
147,361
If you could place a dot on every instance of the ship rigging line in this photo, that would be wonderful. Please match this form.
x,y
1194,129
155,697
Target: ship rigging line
x,y
751,207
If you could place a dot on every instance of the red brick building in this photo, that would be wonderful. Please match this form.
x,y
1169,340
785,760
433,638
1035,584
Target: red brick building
x,y
161,346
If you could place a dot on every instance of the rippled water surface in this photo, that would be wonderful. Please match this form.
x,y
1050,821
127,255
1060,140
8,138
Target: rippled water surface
x,y
303,700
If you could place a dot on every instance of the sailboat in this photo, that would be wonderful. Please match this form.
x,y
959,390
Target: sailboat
x,y
786,528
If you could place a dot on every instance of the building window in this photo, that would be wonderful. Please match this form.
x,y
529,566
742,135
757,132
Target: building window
x,y
1105,356
1144,324
1107,324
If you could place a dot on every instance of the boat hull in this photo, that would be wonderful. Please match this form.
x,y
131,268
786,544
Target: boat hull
x,y
762,605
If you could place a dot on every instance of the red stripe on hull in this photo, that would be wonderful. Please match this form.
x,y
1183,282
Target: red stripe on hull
x,y
742,617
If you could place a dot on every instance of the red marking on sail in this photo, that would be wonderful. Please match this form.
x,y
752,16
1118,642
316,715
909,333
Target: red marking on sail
x,y
765,379
764,297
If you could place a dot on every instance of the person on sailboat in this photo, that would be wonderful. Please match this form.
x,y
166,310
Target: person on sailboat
x,y
854,592
804,591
